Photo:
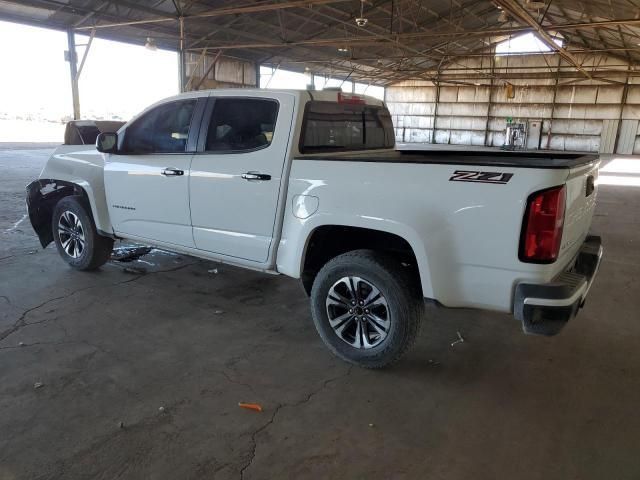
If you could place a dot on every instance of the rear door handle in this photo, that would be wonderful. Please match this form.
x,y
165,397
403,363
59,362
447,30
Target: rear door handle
x,y
172,172
252,176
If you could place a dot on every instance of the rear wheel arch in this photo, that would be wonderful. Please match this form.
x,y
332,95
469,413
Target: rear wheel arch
x,y
329,241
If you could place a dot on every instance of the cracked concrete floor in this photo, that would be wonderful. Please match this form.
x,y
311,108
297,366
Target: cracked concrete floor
x,y
112,347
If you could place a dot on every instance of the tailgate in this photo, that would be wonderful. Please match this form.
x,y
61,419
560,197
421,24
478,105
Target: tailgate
x,y
582,189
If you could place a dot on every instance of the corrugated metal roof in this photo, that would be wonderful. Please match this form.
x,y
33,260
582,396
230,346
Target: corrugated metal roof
x,y
402,39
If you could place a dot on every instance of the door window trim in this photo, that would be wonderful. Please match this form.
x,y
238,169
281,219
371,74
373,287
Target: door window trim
x,y
206,120
192,138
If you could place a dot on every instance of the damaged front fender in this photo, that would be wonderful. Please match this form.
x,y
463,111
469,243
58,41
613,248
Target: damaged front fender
x,y
42,197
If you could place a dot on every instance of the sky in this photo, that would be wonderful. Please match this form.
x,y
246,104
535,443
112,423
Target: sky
x,y
527,42
117,79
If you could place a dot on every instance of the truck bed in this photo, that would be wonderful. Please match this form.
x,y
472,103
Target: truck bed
x,y
492,158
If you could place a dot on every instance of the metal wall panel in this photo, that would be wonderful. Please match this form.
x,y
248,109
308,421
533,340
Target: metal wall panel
x,y
608,94
608,136
633,95
583,116
627,137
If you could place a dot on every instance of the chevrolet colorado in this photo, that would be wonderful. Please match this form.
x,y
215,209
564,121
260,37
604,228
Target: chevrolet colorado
x,y
308,184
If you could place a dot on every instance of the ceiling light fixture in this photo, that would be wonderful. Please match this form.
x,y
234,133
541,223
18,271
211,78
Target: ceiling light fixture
x,y
151,44
361,21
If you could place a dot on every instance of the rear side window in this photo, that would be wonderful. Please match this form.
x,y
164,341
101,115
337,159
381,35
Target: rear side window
x,y
241,124
332,127
165,129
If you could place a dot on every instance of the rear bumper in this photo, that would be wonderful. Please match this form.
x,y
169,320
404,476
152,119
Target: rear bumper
x,y
545,308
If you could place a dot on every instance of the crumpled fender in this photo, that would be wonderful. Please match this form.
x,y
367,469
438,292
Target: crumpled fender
x,y
42,197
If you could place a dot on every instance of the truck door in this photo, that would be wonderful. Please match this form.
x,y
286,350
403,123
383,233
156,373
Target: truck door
x,y
147,181
237,172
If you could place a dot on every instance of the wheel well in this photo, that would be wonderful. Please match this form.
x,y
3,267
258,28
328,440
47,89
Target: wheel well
x,y
42,197
329,241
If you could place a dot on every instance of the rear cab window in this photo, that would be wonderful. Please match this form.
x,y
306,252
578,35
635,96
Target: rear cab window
x,y
336,127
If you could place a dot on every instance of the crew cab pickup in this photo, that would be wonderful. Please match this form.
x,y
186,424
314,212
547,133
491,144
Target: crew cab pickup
x,y
308,184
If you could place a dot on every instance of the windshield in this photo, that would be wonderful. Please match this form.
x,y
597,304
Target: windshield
x,y
334,127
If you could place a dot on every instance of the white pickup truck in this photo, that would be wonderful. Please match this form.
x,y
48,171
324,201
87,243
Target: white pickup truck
x,y
308,184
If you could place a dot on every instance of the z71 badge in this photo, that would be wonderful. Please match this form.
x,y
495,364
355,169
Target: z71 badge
x,y
480,177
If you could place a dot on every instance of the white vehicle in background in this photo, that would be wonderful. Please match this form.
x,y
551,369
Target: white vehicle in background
x,y
308,184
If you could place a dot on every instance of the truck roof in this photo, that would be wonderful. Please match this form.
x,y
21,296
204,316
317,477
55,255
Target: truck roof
x,y
319,95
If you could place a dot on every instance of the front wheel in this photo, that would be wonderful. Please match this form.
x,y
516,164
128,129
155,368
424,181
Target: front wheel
x,y
76,236
366,308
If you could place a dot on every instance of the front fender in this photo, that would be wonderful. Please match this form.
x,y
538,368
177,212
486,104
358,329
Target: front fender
x,y
42,197
82,166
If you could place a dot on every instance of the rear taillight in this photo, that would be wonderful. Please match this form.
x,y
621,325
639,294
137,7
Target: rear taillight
x,y
542,227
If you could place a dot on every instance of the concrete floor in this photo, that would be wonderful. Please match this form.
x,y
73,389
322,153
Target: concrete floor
x,y
112,347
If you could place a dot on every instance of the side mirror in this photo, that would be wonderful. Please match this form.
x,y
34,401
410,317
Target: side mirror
x,y
107,142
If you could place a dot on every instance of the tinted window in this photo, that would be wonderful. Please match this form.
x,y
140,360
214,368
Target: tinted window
x,y
164,129
241,124
331,126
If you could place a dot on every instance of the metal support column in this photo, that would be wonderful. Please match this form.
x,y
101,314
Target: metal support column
x,y
72,58
435,110
553,103
257,67
181,58
487,123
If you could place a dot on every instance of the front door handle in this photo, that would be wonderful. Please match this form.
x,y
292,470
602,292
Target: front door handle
x,y
252,176
172,172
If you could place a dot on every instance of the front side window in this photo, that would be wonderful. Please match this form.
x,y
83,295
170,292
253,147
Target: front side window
x,y
331,126
165,129
241,124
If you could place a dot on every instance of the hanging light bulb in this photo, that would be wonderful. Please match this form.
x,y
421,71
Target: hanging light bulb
x,y
361,21
151,44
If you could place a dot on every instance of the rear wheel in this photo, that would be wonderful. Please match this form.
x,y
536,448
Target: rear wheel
x,y
76,236
366,308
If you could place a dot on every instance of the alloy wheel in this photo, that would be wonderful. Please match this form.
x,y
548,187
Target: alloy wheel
x,y
358,312
71,233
